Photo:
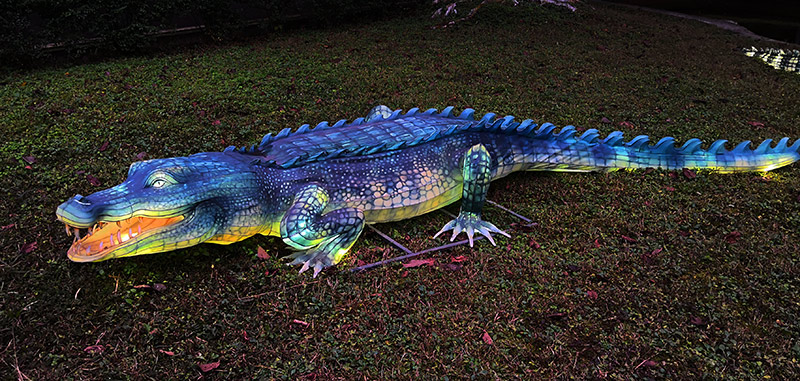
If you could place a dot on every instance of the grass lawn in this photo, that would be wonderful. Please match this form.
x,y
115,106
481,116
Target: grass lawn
x,y
626,275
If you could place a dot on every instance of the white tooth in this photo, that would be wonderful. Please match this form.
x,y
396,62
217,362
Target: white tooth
x,y
69,232
78,233
119,239
111,238
139,229
101,245
130,233
88,250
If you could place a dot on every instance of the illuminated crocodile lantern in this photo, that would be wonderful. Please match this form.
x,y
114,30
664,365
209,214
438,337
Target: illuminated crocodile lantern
x,y
788,60
317,187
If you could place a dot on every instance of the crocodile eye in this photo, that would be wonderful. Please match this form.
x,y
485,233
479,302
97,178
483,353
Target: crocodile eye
x,y
158,183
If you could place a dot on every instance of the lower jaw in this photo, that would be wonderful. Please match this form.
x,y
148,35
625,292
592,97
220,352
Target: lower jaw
x,y
119,242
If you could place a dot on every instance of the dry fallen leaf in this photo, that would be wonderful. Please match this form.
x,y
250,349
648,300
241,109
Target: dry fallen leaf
x,y
732,237
487,339
168,353
28,247
419,262
262,254
209,367
93,180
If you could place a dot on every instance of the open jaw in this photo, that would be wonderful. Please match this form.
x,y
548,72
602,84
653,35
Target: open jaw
x,y
106,240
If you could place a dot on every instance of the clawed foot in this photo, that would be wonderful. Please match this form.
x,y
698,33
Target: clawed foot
x,y
317,257
471,223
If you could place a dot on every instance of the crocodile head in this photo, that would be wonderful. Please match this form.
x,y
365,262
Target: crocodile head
x,y
163,205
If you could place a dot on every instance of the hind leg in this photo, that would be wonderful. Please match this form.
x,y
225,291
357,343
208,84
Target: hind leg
x,y
477,173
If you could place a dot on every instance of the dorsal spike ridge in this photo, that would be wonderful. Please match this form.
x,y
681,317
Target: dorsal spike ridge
x,y
638,141
526,127
267,138
691,146
395,114
467,114
665,145
613,139
504,123
589,136
487,119
465,122
781,146
447,112
284,133
742,147
794,147
566,133
717,147
545,130
764,147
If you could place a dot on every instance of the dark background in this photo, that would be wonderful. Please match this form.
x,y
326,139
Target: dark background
x,y
777,19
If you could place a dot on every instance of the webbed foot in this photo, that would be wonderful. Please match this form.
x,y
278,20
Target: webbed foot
x,y
470,223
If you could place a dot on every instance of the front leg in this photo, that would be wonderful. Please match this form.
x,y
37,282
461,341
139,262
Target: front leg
x,y
477,173
322,239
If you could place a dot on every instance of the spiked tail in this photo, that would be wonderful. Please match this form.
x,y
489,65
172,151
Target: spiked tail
x,y
589,153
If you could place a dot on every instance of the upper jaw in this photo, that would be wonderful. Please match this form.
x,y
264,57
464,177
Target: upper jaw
x,y
77,212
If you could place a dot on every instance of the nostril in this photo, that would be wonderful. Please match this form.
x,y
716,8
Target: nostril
x,y
81,200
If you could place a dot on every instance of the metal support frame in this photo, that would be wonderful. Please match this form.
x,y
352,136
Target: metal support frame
x,y
411,254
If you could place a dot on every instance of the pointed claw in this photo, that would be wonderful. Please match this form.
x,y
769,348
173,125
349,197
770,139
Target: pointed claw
x,y
304,268
317,269
456,232
446,227
494,229
470,233
488,235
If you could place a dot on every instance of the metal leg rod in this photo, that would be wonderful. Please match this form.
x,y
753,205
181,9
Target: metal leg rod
x,y
410,254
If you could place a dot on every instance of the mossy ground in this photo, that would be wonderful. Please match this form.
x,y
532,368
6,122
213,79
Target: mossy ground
x,y
626,275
